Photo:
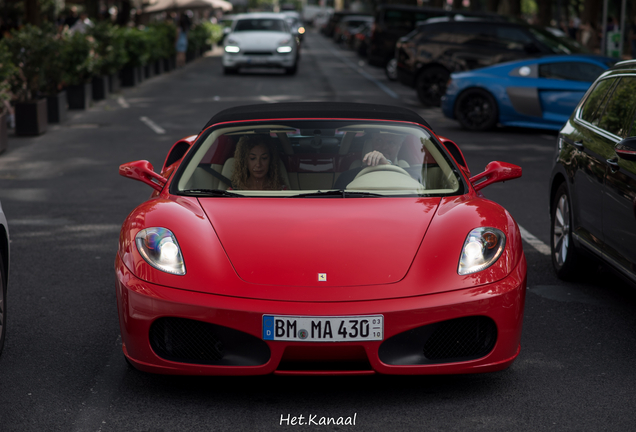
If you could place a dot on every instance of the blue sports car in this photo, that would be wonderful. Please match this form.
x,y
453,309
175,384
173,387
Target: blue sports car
x,y
536,93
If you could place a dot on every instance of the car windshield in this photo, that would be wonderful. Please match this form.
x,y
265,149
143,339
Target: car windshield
x,y
320,158
260,24
558,44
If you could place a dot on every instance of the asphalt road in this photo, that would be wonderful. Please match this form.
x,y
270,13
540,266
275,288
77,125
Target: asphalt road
x,y
62,368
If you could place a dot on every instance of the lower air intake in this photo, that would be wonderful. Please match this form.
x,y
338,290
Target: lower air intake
x,y
459,339
197,342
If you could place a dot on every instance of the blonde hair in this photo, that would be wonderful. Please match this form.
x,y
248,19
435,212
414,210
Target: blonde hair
x,y
241,171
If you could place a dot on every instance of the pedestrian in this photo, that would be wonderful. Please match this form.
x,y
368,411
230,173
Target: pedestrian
x,y
182,39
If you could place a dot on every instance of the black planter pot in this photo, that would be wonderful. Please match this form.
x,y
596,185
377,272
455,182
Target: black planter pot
x,y
79,96
4,133
57,107
100,87
114,83
129,76
158,67
149,71
141,73
31,117
167,65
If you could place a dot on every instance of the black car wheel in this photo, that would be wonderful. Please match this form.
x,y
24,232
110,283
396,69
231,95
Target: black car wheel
x,y
565,258
3,306
431,85
476,110
391,69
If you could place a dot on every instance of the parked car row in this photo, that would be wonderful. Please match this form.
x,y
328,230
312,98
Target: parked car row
x,y
482,69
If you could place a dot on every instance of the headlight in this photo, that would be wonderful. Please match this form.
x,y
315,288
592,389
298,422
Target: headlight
x,y
159,247
482,248
232,49
284,49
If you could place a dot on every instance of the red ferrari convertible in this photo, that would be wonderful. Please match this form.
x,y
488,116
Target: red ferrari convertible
x,y
319,238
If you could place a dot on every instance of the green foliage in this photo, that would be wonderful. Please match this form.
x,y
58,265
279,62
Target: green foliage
x,y
204,35
8,74
136,46
110,50
32,50
79,58
166,35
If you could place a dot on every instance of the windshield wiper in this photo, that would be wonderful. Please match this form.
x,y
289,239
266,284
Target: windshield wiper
x,y
211,192
336,194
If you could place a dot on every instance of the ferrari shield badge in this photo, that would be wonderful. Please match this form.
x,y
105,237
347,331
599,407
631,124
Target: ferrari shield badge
x,y
322,277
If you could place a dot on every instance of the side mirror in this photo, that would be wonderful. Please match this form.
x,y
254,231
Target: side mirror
x,y
626,149
144,172
454,150
178,150
495,172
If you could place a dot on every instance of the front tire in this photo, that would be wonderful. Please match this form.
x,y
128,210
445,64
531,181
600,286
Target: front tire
x,y
431,85
566,260
292,70
477,110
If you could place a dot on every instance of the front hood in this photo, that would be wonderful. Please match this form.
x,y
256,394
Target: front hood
x,y
260,40
317,242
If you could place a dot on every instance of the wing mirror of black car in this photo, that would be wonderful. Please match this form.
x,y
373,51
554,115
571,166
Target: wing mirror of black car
x,y
626,149
144,172
531,48
495,172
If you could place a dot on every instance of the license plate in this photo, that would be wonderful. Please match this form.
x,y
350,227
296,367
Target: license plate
x,y
323,329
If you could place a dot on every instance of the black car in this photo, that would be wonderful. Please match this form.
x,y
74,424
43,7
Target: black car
x,y
428,55
330,26
593,183
393,21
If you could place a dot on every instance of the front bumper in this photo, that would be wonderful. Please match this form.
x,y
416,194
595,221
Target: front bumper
x,y
260,60
144,309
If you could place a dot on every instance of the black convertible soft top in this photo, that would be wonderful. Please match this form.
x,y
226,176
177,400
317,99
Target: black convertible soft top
x,y
316,110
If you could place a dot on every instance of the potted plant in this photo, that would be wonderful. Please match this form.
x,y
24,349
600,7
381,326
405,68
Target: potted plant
x,y
29,50
166,35
137,55
8,73
111,56
52,86
78,55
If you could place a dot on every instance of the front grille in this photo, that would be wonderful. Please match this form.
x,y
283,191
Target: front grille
x,y
459,339
186,340
258,53
462,337
189,341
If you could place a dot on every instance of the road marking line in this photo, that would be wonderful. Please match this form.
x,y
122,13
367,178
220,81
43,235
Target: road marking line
x,y
267,99
152,125
535,242
122,102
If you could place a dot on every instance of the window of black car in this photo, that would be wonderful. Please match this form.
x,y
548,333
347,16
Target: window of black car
x,y
261,24
574,71
558,45
513,37
593,106
619,107
402,20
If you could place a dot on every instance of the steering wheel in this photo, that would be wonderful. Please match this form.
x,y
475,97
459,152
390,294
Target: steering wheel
x,y
378,168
